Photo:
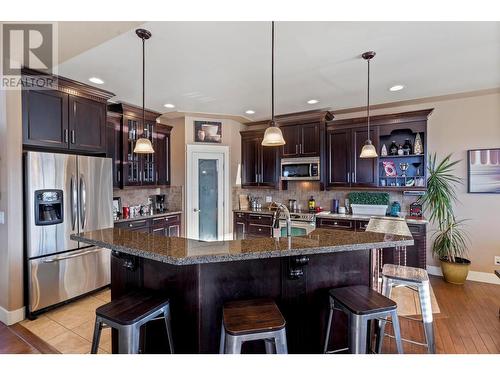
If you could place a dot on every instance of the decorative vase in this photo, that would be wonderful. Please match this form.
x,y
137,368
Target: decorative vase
x,y
418,148
384,151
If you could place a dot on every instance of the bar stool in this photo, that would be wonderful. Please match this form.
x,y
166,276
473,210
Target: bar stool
x,y
249,321
127,314
361,304
417,280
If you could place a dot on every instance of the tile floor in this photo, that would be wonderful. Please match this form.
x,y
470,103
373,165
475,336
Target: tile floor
x,y
69,328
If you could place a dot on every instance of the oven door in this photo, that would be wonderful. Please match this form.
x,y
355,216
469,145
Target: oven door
x,y
299,228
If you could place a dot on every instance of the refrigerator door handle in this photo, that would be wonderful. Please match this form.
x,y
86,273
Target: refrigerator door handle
x,y
74,203
83,201
58,259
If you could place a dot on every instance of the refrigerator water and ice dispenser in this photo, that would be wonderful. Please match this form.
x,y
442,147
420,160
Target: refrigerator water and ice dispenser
x,y
49,207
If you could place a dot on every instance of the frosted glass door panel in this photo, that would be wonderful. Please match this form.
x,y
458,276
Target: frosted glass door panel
x,y
208,199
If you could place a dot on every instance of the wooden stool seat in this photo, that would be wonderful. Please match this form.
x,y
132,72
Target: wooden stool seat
x,y
362,300
252,316
132,307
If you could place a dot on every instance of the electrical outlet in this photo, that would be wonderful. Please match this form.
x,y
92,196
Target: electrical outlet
x,y
2,217
269,199
497,260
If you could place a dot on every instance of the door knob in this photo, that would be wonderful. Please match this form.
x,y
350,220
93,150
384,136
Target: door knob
x,y
196,210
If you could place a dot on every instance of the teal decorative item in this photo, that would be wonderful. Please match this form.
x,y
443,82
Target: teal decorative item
x,y
395,209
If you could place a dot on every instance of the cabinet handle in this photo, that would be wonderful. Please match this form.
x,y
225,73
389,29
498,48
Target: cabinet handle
x,y
296,149
300,149
348,177
353,177
72,136
65,135
156,176
119,176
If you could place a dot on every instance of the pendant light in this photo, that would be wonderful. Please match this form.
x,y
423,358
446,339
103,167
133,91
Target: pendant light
x,y
272,135
368,150
143,145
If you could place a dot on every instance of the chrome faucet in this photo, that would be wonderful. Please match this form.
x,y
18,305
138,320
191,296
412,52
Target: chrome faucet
x,y
276,217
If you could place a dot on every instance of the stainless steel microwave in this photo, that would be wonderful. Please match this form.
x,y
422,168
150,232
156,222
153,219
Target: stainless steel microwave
x,y
300,169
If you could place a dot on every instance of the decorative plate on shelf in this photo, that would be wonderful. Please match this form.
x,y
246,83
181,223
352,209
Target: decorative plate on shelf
x,y
389,168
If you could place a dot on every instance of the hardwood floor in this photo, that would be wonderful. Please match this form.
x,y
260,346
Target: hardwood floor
x,y
468,322
18,340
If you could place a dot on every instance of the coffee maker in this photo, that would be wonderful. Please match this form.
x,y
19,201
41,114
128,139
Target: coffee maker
x,y
159,200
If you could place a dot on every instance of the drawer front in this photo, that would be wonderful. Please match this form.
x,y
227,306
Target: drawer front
x,y
260,230
160,222
133,224
260,219
361,225
417,229
240,216
337,224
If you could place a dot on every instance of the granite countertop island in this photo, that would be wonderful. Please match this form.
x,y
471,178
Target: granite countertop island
x,y
183,251
199,277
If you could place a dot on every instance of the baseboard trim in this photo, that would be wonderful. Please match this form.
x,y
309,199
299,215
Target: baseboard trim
x,y
483,277
11,317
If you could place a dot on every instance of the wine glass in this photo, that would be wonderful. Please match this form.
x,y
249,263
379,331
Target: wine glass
x,y
404,168
417,165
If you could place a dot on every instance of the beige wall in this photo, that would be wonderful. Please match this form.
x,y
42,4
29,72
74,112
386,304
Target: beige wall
x,y
455,126
11,203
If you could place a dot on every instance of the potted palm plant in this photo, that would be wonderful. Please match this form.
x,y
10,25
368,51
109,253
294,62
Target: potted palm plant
x,y
450,241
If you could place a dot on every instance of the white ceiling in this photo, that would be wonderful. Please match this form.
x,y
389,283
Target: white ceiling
x,y
224,67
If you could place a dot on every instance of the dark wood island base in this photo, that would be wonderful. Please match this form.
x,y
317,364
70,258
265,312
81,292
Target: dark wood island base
x,y
197,292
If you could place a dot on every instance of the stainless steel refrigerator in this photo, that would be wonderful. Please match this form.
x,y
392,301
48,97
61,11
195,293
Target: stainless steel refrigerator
x,y
65,194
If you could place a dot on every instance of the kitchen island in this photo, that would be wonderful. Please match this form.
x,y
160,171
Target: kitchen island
x,y
199,277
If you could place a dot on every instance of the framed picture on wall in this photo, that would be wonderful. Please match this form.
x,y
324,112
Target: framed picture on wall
x,y
208,131
483,170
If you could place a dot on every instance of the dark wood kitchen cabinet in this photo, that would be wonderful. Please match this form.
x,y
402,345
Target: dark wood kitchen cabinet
x,y
259,164
301,140
135,169
345,167
168,224
114,145
71,118
254,224
345,139
415,254
162,150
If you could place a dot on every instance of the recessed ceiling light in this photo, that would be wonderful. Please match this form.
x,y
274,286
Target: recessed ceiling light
x,y
250,112
168,105
312,101
96,80
396,88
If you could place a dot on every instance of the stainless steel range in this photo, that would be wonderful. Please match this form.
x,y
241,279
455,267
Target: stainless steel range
x,y
302,223
65,194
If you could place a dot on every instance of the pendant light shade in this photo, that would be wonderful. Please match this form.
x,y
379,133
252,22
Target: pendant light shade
x,y
368,151
143,145
273,135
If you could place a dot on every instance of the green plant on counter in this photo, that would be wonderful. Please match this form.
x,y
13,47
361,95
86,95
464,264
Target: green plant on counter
x,y
450,239
362,197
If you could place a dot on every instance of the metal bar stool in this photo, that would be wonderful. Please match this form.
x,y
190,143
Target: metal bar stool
x,y
249,321
361,304
417,280
127,314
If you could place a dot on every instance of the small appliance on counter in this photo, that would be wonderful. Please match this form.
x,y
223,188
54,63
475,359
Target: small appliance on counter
x,y
300,169
395,209
292,205
160,205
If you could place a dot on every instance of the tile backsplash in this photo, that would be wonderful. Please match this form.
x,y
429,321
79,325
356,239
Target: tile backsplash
x,y
133,197
302,191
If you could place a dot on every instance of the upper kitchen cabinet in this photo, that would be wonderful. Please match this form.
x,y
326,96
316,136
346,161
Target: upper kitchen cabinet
x,y
345,139
301,140
135,169
259,164
162,151
71,118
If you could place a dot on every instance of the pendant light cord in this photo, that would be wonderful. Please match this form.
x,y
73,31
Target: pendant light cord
x,y
368,101
272,74
143,83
